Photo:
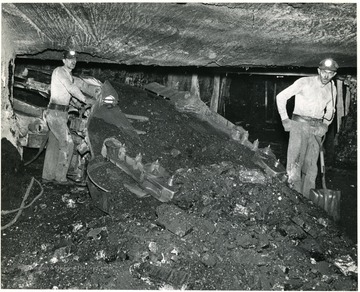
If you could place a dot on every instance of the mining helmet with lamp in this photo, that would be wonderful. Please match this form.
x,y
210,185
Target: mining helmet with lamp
x,y
70,54
329,64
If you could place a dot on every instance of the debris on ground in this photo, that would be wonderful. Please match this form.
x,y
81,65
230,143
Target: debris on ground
x,y
231,224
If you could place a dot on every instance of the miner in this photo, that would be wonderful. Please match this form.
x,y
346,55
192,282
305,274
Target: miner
x,y
60,145
315,99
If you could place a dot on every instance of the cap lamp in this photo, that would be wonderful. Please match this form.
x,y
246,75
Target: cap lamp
x,y
329,64
69,54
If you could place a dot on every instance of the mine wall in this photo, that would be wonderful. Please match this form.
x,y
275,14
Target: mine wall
x,y
9,127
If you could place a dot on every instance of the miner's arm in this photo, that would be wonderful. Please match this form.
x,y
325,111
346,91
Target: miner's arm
x,y
284,96
89,89
72,88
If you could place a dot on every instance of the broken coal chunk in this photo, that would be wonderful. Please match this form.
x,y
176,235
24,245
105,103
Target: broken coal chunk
x,y
175,152
306,227
346,265
160,275
97,233
293,284
312,248
113,253
298,221
283,269
208,260
249,257
241,210
174,219
291,230
252,176
205,225
263,241
245,240
265,282
324,268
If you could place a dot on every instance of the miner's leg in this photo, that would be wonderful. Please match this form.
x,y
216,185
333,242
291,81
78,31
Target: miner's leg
x,y
66,146
57,122
310,165
74,168
78,175
74,162
294,162
51,158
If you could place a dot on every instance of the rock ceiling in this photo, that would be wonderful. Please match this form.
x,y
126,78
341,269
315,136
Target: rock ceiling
x,y
186,34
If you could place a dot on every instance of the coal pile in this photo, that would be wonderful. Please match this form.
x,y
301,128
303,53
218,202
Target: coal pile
x,y
231,224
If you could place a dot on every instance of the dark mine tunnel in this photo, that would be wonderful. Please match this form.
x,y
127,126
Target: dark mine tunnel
x,y
177,172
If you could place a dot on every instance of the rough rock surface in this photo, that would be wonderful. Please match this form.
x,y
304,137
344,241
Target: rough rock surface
x,y
187,34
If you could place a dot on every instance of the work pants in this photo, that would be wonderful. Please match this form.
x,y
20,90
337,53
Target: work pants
x,y
302,156
60,147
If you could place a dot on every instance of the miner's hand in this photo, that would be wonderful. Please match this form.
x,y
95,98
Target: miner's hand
x,y
97,92
287,124
321,130
90,102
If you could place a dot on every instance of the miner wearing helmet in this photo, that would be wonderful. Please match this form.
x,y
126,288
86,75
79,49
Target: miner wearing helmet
x,y
60,145
314,110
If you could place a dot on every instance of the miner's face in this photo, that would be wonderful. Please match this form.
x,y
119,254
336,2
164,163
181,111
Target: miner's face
x,y
70,63
326,75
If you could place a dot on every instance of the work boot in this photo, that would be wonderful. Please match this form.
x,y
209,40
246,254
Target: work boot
x,y
77,180
47,181
72,175
64,182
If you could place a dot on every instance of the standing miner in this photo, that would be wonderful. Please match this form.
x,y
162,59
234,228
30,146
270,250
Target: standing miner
x,y
60,146
315,99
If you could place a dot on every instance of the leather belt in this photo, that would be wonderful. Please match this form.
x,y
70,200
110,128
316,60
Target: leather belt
x,y
58,107
305,119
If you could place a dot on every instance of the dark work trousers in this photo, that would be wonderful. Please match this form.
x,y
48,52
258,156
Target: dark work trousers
x,y
60,146
302,156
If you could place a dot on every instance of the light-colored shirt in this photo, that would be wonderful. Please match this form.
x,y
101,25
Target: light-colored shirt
x,y
63,87
312,99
